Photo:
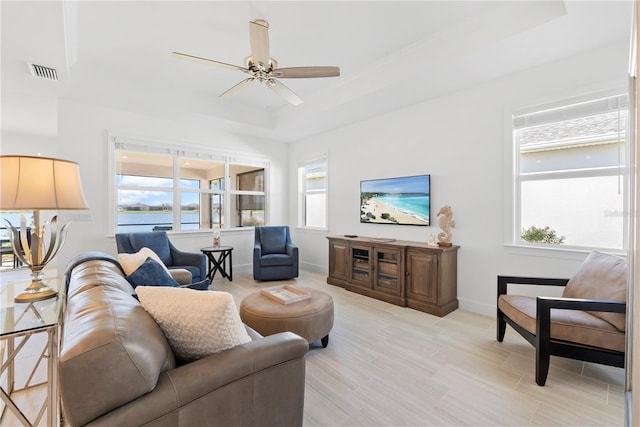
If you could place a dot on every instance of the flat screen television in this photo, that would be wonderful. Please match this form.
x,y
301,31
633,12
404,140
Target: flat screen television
x,y
403,200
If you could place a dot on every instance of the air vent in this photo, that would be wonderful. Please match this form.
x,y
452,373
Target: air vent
x,y
43,72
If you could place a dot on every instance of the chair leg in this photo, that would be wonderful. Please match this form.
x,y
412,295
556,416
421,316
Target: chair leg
x,y
502,326
543,340
325,341
542,366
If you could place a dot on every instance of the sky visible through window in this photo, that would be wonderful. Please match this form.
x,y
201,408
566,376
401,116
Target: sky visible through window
x,y
154,198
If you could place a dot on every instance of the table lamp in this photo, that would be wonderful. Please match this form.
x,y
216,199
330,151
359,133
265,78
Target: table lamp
x,y
38,183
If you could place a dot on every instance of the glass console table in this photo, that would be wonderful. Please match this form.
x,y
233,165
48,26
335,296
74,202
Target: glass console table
x,y
19,322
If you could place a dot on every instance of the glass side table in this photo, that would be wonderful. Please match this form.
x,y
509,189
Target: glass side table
x,y
18,323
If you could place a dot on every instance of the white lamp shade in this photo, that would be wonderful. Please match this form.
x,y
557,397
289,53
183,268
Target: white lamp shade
x,y
29,183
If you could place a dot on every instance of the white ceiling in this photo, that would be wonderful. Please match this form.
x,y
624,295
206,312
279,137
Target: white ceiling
x,y
391,54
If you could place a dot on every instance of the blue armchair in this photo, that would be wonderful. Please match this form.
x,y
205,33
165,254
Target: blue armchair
x,y
275,257
158,242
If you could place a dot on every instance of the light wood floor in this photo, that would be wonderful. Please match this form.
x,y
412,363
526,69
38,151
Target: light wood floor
x,y
394,366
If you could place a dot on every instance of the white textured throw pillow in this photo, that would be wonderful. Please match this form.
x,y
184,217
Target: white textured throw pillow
x,y
195,323
131,262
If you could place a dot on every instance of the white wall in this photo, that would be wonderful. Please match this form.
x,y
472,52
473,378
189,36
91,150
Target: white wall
x,y
460,140
82,135
28,144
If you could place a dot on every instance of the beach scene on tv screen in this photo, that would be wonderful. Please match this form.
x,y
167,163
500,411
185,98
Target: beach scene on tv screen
x,y
403,200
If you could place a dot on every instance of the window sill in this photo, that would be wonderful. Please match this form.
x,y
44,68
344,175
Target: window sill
x,y
313,229
570,253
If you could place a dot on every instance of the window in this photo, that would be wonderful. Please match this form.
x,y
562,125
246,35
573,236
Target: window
x,y
312,188
216,202
250,190
7,257
571,175
166,189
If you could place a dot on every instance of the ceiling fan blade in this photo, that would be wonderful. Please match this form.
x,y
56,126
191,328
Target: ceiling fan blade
x,y
210,61
259,40
306,72
284,92
243,84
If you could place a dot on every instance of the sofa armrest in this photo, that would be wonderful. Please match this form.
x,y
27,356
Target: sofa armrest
x,y
181,275
189,258
292,249
195,379
257,253
251,384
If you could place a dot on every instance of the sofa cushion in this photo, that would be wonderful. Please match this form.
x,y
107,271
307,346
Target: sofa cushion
x,y
567,325
202,285
273,240
274,260
131,262
181,275
195,323
601,277
113,352
151,273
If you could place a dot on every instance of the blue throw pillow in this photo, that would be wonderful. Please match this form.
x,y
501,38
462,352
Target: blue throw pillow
x,y
202,285
150,273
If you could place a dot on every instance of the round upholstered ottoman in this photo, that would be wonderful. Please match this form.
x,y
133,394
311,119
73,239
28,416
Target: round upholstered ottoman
x,y
312,318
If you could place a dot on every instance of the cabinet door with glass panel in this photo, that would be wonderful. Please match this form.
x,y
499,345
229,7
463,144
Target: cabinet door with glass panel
x,y
360,271
388,268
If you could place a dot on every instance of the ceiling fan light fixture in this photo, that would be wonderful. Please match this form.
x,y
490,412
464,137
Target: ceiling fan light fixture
x,y
263,68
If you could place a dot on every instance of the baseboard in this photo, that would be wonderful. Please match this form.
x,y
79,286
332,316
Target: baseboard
x,y
307,266
477,307
243,268
314,268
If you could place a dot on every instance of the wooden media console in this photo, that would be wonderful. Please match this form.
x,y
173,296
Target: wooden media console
x,y
405,273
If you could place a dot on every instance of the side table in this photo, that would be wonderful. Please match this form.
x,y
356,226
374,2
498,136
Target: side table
x,y
18,323
219,263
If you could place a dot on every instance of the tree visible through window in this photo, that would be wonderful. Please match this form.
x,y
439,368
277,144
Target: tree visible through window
x,y
571,173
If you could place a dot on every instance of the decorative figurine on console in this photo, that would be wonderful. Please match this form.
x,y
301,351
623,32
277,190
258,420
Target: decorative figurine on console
x,y
446,223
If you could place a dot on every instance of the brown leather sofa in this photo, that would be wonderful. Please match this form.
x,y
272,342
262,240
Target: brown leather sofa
x,y
116,367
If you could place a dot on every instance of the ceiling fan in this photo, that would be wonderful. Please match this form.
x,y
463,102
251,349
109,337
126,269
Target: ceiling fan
x,y
264,69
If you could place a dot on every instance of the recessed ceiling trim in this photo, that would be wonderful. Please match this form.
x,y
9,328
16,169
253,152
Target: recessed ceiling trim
x,y
43,72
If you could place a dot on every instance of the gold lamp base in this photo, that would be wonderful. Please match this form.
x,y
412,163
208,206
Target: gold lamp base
x,y
36,291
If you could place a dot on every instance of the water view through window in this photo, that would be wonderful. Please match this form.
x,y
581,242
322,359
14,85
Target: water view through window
x,y
160,190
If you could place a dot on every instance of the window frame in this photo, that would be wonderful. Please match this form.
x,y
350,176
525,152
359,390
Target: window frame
x,y
513,178
152,146
303,192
